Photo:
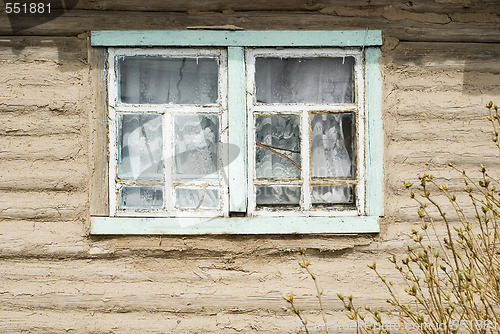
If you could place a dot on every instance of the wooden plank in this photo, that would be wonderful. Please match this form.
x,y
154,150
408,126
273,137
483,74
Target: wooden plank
x,y
432,6
236,38
55,147
45,205
237,130
76,22
148,322
99,203
166,285
450,56
40,123
374,134
268,225
155,302
33,48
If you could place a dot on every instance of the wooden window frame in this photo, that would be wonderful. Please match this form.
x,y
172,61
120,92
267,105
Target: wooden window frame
x,y
304,111
364,220
167,111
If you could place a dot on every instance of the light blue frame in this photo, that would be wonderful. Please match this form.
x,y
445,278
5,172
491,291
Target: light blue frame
x,y
235,41
237,38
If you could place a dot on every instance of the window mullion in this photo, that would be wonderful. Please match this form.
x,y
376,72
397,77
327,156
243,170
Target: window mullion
x,y
237,129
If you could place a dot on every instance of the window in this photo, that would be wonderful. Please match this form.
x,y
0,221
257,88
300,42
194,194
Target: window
x,y
243,132
304,109
168,121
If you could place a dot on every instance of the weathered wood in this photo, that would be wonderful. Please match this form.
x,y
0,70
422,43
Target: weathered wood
x,y
188,287
65,50
48,83
449,56
78,21
215,38
40,123
224,322
237,125
54,147
40,175
99,130
461,6
374,143
48,205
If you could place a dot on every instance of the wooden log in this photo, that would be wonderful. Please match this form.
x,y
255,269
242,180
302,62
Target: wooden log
x,y
191,287
61,50
40,123
56,147
450,56
76,22
225,322
47,205
40,175
429,6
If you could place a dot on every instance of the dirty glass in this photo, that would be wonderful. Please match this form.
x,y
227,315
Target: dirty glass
x,y
277,152
304,80
331,194
156,80
140,146
196,146
332,145
277,195
141,198
193,198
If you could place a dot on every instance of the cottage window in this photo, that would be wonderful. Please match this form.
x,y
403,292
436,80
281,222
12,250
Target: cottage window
x,y
305,112
168,122
243,132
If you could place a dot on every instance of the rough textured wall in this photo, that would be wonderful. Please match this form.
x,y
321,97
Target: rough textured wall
x,y
440,66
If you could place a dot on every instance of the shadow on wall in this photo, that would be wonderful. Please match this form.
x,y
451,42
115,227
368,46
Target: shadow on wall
x,y
476,63
27,15
481,74
65,51
61,49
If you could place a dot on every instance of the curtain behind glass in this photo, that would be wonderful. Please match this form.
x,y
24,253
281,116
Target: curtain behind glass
x,y
155,80
304,80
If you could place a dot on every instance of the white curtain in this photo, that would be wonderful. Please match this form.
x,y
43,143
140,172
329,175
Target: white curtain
x,y
304,80
156,80
140,147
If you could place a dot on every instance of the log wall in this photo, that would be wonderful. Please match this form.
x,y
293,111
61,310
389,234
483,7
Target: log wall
x,y
440,66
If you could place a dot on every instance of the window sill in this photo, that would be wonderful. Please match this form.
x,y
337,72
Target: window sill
x,y
257,225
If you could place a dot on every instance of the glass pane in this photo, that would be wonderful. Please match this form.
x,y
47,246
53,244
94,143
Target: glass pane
x,y
305,80
141,198
196,146
329,194
278,195
168,80
140,144
277,152
332,145
193,198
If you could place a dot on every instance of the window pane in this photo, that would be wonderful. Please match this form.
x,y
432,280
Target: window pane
x,y
141,198
196,146
192,198
332,141
330,194
278,195
304,80
168,80
140,147
277,153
